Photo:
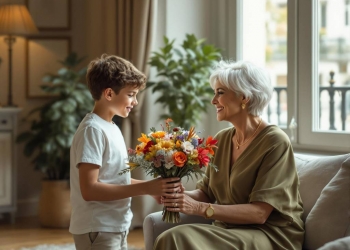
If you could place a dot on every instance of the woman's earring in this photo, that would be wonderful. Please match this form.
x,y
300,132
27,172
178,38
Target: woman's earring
x,y
243,105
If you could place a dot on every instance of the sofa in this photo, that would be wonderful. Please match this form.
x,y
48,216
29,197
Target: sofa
x,y
325,191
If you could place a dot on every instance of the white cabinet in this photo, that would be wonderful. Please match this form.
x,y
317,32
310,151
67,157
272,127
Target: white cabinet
x,y
8,132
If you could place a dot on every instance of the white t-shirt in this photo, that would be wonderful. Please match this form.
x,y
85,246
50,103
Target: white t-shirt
x,y
99,142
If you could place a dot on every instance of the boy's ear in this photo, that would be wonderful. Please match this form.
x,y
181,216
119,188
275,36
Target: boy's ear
x,y
108,93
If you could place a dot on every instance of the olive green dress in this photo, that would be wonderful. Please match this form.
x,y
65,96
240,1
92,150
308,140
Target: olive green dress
x,y
264,172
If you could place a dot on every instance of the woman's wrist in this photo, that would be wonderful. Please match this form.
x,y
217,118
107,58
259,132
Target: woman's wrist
x,y
202,206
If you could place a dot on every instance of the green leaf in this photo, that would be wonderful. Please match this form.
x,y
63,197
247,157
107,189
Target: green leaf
x,y
25,136
62,72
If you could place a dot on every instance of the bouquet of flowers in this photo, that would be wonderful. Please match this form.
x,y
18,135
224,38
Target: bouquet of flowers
x,y
172,152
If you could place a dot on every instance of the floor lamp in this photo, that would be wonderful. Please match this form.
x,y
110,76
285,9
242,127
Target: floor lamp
x,y
15,20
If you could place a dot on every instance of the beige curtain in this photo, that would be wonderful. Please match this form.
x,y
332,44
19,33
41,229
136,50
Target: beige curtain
x,y
135,32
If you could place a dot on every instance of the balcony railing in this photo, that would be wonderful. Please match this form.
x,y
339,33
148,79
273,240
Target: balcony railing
x,y
331,89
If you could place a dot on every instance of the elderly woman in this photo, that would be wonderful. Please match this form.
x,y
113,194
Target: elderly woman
x,y
254,197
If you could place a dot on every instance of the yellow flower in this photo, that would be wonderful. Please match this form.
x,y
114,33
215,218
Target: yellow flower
x,y
150,155
178,144
139,148
194,153
158,134
193,157
132,165
144,138
194,161
165,145
153,150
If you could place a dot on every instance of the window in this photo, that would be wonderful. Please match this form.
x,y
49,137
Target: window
x,y
323,78
307,52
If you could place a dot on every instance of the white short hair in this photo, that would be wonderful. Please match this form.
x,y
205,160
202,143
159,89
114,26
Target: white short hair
x,y
247,79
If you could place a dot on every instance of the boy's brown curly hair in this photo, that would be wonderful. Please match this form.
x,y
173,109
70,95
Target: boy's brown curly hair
x,y
113,72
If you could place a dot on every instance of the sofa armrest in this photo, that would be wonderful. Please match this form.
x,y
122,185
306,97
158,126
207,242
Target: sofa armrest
x,y
154,226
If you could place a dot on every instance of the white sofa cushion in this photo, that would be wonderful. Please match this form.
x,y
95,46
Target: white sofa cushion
x,y
339,244
329,219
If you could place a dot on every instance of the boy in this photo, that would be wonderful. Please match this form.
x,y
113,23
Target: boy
x,y
101,198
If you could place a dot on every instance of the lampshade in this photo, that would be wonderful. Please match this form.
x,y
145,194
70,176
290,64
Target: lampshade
x,y
16,20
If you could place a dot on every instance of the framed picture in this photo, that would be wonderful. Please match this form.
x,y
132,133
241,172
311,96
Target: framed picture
x,y
43,56
50,15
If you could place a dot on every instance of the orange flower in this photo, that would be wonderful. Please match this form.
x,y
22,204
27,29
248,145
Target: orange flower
x,y
179,159
211,151
158,134
210,141
210,144
144,138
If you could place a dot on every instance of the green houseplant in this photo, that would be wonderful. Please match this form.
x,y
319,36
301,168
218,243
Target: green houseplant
x,y
50,135
183,75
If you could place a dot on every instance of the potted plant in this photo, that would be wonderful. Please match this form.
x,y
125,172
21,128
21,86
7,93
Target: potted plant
x,y
184,79
49,138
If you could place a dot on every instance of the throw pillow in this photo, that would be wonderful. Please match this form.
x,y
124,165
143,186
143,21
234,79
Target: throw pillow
x,y
315,172
329,218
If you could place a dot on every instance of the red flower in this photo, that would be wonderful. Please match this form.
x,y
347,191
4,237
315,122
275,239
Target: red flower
x,y
200,141
146,148
203,157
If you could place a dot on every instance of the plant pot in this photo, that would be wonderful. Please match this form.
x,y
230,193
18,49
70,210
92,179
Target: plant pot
x,y
54,204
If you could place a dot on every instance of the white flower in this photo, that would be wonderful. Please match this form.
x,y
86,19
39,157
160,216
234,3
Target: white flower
x,y
168,159
169,165
187,147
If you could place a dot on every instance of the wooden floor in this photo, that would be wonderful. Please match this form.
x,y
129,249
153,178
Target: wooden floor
x,y
26,232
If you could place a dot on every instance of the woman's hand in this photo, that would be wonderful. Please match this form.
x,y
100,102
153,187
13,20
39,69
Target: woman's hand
x,y
182,203
158,198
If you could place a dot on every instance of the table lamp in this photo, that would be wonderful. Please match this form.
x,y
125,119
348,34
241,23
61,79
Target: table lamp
x,y
15,20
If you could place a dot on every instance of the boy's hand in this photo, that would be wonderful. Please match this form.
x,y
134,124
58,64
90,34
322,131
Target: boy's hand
x,y
159,199
163,186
